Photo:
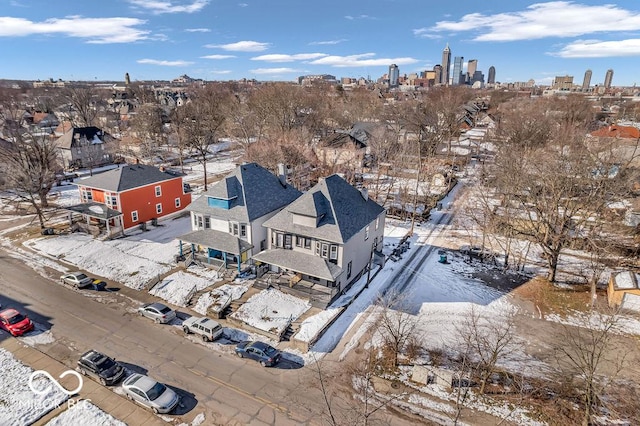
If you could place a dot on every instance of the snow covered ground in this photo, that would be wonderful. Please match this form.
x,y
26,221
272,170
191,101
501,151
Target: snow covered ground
x,y
19,405
179,287
84,413
218,298
271,310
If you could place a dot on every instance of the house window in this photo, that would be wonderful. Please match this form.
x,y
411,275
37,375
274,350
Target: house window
x,y
87,195
333,255
325,250
158,191
377,222
243,230
197,221
299,241
366,233
233,228
177,203
134,216
159,208
349,270
207,222
375,243
279,240
287,241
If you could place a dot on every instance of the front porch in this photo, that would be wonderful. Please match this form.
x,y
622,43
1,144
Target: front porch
x,y
216,249
96,219
319,295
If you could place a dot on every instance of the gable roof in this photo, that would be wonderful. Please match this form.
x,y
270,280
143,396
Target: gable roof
x,y
126,177
253,192
614,131
340,208
91,133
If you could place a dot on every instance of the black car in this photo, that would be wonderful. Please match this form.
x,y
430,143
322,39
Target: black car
x,y
104,369
265,354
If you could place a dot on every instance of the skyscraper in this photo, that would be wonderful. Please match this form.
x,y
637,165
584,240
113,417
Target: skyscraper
x,y
394,75
472,66
437,70
587,81
492,75
446,65
607,79
457,77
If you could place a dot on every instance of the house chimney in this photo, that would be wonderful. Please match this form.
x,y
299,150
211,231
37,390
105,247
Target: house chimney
x,y
282,174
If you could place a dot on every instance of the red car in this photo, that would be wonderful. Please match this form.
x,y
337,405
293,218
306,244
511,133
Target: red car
x,y
14,322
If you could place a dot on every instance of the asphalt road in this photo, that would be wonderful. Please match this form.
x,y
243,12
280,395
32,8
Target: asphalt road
x,y
227,389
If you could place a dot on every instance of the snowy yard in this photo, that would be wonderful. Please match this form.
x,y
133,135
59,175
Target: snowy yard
x,y
179,287
271,311
218,298
19,404
84,413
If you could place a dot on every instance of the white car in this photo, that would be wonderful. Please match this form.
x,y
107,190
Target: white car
x,y
209,329
76,279
158,312
150,393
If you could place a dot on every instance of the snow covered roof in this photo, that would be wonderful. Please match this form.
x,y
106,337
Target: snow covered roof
x,y
626,280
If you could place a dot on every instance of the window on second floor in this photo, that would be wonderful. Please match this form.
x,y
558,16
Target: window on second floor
x,y
159,208
158,190
134,216
207,222
87,195
243,230
366,233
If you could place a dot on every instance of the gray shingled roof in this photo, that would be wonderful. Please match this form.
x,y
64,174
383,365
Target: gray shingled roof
x,y
343,210
126,177
94,209
217,240
254,191
303,263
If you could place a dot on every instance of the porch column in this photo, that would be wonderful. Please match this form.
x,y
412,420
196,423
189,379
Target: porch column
x,y
180,247
224,257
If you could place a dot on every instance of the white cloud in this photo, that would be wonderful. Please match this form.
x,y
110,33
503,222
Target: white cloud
x,y
274,71
288,58
164,63
353,18
243,4
217,57
95,30
198,30
164,6
541,20
242,46
361,60
328,42
600,49
220,72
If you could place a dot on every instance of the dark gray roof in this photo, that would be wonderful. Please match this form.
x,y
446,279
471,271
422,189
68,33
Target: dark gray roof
x,y
126,177
94,209
304,263
341,209
217,240
254,192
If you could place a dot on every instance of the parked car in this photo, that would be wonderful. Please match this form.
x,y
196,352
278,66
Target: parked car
x,y
158,312
265,354
106,370
147,392
76,279
207,328
14,322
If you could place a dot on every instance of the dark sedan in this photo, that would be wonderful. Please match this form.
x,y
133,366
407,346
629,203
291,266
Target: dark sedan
x,y
265,354
106,370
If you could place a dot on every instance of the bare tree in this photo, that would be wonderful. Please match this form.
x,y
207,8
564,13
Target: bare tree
x,y
396,326
586,353
148,126
83,100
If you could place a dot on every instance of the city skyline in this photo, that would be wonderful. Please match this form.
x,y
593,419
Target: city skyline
x,y
213,40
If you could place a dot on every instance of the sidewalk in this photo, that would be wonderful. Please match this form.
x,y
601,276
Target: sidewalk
x,y
107,400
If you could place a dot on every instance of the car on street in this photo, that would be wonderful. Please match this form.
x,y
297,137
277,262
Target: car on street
x,y
207,328
152,394
101,367
76,279
14,322
158,312
265,354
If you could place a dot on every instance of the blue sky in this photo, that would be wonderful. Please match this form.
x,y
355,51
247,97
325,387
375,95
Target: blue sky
x,y
282,39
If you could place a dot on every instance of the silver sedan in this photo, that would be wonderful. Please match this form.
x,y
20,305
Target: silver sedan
x,y
150,393
158,312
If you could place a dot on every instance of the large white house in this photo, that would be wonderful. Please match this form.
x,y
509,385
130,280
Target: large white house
x,y
327,236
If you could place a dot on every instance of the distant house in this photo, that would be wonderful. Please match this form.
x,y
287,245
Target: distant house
x,y
326,237
345,147
623,290
227,219
135,194
84,147
617,132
